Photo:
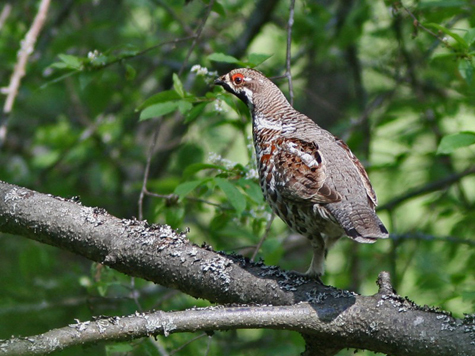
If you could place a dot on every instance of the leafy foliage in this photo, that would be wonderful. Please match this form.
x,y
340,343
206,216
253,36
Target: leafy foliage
x,y
111,84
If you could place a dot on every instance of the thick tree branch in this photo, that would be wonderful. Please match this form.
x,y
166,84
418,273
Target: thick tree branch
x,y
153,252
322,330
327,317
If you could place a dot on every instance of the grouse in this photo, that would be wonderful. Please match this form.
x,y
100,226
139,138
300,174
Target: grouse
x,y
309,177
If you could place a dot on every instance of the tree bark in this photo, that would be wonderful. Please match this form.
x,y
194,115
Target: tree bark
x,y
328,318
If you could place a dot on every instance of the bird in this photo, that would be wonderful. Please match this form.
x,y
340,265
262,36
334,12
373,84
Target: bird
x,y
309,177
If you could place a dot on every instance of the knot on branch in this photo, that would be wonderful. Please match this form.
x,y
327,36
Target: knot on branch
x,y
384,283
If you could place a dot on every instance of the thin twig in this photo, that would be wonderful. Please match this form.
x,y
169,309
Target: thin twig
x,y
264,236
133,55
147,171
419,25
197,36
175,16
118,60
208,346
159,345
368,110
161,196
427,188
26,49
289,53
175,197
427,237
186,344
135,294
428,114
5,13
88,132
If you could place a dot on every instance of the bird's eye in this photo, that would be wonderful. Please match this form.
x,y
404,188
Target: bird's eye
x,y
237,78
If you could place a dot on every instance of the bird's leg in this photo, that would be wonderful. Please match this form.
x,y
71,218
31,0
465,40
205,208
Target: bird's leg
x,y
317,266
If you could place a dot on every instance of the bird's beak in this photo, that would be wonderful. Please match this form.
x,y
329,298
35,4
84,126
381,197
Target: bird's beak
x,y
219,81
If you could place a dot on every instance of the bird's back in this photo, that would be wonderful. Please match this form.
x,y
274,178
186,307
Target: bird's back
x,y
355,212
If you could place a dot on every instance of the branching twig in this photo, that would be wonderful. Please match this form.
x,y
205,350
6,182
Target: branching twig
x,y
197,36
264,236
118,59
432,33
169,197
427,188
154,140
147,171
26,49
173,14
187,343
174,197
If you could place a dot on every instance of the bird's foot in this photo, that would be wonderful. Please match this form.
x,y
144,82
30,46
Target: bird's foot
x,y
312,276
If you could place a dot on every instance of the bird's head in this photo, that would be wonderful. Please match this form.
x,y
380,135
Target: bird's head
x,y
249,85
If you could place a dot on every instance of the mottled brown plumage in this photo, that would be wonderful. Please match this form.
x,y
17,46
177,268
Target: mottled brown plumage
x,y
309,177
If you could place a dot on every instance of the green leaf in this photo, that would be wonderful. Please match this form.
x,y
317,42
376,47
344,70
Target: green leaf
x,y
441,4
450,143
118,347
185,188
455,36
102,288
255,59
196,167
470,36
219,9
184,106
59,65
219,222
254,191
70,61
195,112
163,96
445,55
158,110
174,216
235,197
178,86
221,57
85,78
130,72
466,70
46,159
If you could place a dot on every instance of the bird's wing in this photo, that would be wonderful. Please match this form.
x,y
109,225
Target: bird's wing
x,y
300,172
361,172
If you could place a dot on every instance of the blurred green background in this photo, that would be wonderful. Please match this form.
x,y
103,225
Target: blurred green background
x,y
87,116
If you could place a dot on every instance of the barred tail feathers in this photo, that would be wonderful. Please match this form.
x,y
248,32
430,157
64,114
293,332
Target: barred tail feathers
x,y
359,221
